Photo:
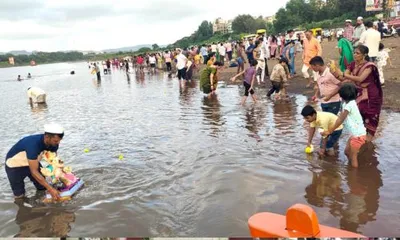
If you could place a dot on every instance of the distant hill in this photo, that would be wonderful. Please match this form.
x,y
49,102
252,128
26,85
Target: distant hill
x,y
128,49
17,52
115,50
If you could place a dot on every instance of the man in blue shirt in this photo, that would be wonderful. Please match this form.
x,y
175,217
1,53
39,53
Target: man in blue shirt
x,y
249,51
23,160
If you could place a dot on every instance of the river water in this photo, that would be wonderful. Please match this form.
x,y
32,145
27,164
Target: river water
x,y
191,166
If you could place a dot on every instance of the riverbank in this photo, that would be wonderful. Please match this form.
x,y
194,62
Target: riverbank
x,y
298,83
6,65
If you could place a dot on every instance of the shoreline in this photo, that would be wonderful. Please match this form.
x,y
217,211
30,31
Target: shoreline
x,y
38,64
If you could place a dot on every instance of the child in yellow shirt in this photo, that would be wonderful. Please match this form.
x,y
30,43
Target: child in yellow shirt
x,y
324,121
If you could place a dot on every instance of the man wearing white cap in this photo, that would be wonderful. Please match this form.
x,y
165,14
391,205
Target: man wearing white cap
x,y
359,29
36,95
348,30
23,160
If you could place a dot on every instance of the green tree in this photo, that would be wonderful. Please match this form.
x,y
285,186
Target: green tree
x,y
204,31
144,49
260,23
155,46
244,24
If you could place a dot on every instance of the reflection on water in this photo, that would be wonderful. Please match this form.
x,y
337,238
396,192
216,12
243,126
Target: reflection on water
x,y
42,221
38,107
255,117
351,194
212,114
192,166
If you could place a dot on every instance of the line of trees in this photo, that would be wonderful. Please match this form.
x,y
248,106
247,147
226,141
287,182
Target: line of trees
x,y
296,14
43,57
305,12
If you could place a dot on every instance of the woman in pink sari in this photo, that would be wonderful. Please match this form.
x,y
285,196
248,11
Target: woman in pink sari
x,y
365,75
273,45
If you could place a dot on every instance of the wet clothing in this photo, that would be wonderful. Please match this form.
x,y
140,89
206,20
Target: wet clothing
x,y
247,88
205,84
17,165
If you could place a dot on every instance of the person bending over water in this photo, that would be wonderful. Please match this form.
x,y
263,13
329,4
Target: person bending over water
x,y
324,121
23,160
36,95
208,78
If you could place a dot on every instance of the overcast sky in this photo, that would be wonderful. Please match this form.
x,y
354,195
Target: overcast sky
x,y
51,25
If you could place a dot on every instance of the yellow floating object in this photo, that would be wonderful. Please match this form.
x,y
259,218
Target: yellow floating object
x,y
121,157
309,150
86,150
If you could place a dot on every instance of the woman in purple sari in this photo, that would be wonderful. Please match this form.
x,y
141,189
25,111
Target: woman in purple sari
x,y
365,75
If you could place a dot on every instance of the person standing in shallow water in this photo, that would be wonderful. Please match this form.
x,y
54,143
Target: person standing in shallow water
x,y
327,86
208,78
97,69
352,121
365,75
249,79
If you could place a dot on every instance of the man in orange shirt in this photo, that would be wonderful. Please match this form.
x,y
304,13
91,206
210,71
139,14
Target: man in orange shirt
x,y
311,49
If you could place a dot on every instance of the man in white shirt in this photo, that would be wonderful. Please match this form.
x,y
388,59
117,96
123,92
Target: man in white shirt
x,y
222,52
36,95
265,53
214,48
181,64
358,31
228,47
371,38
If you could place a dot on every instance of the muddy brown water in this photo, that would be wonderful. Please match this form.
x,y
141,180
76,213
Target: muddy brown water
x,y
192,166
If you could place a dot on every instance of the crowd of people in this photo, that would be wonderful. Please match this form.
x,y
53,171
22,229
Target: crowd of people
x,y
356,83
350,93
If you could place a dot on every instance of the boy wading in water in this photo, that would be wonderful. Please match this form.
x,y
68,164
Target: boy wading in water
x,y
353,122
324,121
279,79
249,79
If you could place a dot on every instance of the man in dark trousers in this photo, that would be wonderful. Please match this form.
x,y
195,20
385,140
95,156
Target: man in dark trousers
x,y
23,160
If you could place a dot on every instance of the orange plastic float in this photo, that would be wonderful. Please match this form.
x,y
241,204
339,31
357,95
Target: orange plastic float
x,y
300,221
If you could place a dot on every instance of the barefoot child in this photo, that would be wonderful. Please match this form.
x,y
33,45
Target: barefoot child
x,y
249,79
353,121
279,78
325,121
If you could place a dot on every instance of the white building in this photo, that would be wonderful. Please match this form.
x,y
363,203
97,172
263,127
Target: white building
x,y
222,26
